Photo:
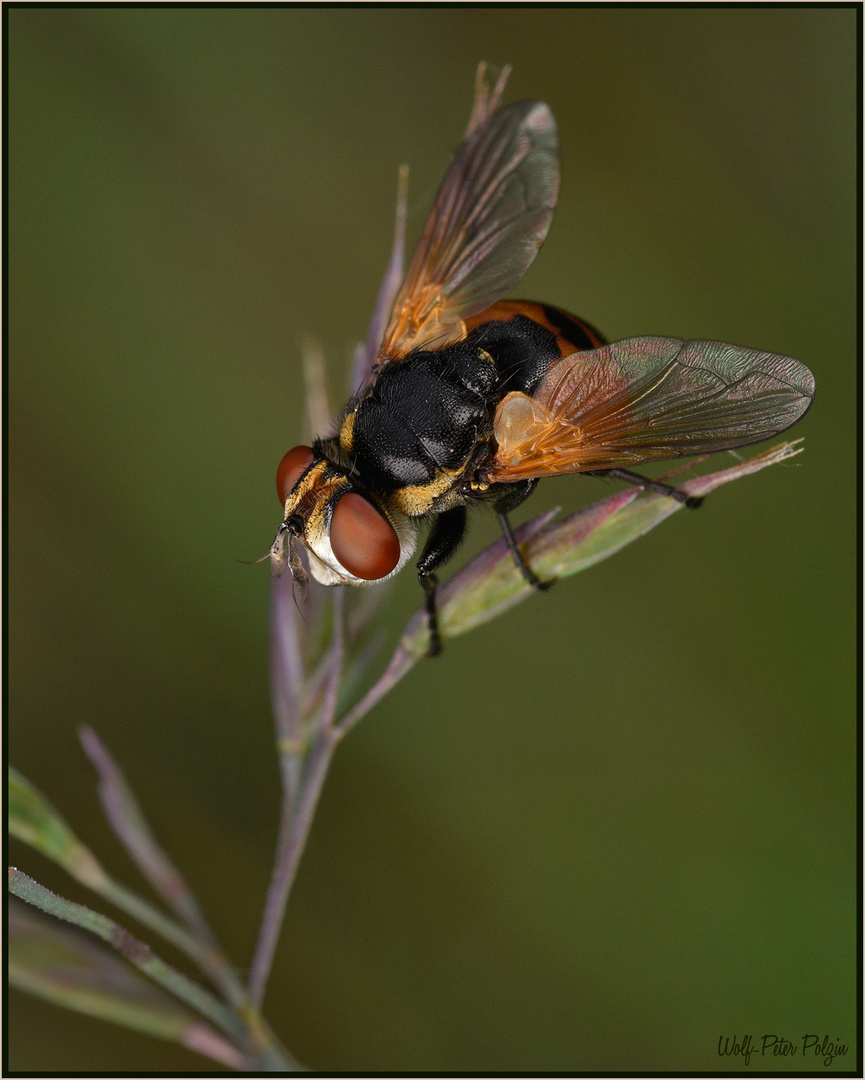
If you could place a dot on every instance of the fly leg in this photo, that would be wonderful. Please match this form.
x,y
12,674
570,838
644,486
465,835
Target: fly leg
x,y
442,542
503,506
691,501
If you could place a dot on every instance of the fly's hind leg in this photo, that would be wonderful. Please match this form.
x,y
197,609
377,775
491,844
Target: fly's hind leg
x,y
442,542
517,494
691,501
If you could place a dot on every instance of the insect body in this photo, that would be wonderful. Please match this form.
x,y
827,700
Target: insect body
x,y
473,398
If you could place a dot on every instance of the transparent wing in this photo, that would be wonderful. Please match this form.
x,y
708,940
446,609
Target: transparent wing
x,y
646,399
490,216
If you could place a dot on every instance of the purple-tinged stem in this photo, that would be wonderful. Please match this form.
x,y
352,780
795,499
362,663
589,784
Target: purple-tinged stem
x,y
297,815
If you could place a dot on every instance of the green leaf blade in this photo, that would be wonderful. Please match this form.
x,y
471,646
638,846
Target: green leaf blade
x,y
69,968
35,821
491,582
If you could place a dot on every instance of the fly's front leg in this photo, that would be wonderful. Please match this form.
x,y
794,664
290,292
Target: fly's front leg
x,y
442,542
517,494
691,501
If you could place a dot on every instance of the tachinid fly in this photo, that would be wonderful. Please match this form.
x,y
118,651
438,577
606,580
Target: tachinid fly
x,y
472,398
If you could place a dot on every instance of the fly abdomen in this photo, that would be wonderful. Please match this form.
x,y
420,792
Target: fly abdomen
x,y
521,348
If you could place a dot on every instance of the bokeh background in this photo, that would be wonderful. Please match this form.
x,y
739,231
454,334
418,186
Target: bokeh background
x,y
615,824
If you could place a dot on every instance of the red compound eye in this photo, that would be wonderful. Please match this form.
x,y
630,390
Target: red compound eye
x,y
362,540
290,470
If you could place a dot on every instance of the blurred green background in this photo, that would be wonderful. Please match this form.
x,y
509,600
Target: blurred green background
x,y
615,824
